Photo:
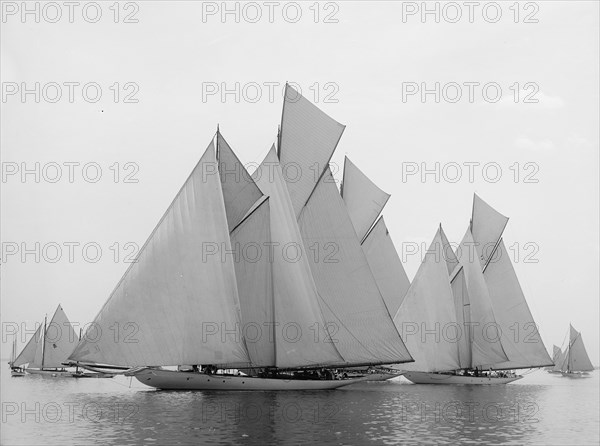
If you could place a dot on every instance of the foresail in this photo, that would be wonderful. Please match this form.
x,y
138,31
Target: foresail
x,y
386,266
448,253
521,340
178,303
354,309
59,341
239,190
579,361
28,354
487,227
560,364
426,318
250,242
308,139
299,339
486,344
364,200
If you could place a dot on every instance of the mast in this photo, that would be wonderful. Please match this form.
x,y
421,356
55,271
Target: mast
x,y
44,343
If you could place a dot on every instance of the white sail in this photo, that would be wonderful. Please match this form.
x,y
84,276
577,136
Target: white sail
x,y
32,352
448,254
178,303
59,340
487,226
363,198
520,338
296,302
239,190
556,352
253,271
560,364
386,266
462,307
426,318
486,345
578,359
358,319
307,141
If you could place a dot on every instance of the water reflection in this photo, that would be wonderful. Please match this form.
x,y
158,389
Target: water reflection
x,y
539,409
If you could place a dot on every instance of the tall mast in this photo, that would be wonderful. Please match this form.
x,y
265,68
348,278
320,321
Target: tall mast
x,y
44,343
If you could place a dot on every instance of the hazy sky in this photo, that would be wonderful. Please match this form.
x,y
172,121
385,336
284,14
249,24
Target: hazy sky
x,y
532,152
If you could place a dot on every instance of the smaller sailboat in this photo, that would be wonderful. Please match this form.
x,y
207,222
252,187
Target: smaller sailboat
x,y
50,345
14,370
96,374
576,363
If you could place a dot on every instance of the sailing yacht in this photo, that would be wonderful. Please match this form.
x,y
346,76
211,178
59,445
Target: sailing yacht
x,y
50,345
575,362
472,303
15,370
281,316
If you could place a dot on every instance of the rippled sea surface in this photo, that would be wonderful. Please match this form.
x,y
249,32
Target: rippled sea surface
x,y
539,409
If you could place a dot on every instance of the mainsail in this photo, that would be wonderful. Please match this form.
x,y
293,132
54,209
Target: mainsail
x,y
386,266
178,303
363,198
426,317
59,340
485,341
351,301
308,138
519,334
298,339
577,357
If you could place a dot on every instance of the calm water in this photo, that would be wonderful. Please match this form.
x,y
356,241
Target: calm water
x,y
539,409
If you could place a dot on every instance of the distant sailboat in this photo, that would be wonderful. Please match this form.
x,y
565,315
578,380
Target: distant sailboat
x,y
557,359
276,316
15,370
485,306
50,345
576,362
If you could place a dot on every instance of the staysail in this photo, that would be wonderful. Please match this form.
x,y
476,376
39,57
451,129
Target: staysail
x,y
578,359
363,198
307,141
351,301
59,340
178,303
521,340
426,318
299,339
386,266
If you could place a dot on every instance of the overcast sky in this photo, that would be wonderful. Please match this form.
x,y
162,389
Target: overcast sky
x,y
533,151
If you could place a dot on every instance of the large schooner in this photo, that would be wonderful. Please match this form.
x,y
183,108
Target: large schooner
x,y
49,347
465,318
259,282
